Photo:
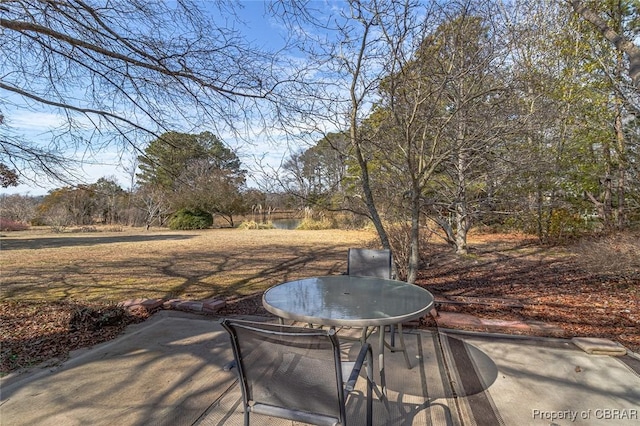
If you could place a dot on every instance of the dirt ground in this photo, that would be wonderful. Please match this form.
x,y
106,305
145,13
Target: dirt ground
x,y
507,277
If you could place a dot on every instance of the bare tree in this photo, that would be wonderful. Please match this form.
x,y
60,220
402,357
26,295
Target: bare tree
x,y
406,127
18,207
347,52
370,48
153,203
122,72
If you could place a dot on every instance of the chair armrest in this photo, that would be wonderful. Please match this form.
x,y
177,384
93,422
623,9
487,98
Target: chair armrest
x,y
350,384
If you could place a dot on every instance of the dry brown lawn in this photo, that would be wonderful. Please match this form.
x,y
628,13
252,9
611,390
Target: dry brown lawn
x,y
115,266
58,292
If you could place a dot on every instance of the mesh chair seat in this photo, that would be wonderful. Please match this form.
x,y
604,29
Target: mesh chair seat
x,y
369,263
295,373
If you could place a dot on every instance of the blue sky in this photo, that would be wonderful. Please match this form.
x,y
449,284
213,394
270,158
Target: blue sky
x,y
109,162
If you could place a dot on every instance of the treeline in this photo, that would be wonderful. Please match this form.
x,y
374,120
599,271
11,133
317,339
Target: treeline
x,y
184,181
106,203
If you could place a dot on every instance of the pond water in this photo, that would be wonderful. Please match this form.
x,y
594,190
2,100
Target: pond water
x,y
286,223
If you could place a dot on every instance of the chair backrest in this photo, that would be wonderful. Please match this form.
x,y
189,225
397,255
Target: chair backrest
x,y
369,263
289,372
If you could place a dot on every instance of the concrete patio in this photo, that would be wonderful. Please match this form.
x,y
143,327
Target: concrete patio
x,y
168,371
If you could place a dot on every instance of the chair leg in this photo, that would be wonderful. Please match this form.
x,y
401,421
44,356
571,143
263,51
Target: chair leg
x,y
404,347
370,385
401,348
392,339
381,370
365,335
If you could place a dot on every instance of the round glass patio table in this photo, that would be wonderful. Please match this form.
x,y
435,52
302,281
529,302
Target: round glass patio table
x,y
343,300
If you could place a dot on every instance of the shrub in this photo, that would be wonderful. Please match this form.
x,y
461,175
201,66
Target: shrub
x,y
252,224
400,239
315,225
350,221
565,226
191,219
12,225
615,255
38,221
559,226
83,229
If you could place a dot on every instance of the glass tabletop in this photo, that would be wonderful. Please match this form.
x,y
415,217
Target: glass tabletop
x,y
343,300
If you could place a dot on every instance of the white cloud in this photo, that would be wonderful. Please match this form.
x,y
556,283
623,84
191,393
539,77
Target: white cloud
x,y
34,121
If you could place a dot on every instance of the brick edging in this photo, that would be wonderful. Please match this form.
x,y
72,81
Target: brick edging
x,y
207,306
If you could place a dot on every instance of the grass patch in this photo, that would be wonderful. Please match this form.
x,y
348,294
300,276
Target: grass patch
x,y
133,263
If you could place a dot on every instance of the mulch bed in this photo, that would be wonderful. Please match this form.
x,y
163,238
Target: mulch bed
x,y
37,332
553,290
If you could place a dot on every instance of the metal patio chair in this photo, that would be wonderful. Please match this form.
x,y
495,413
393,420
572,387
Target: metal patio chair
x,y
295,373
376,263
369,263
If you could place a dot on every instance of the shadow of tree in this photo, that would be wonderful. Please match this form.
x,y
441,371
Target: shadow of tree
x,y
160,378
83,240
196,272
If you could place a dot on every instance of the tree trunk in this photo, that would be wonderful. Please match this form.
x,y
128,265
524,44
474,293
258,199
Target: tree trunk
x,y
618,40
414,250
621,154
621,178
607,188
540,213
368,194
461,207
355,142
461,232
